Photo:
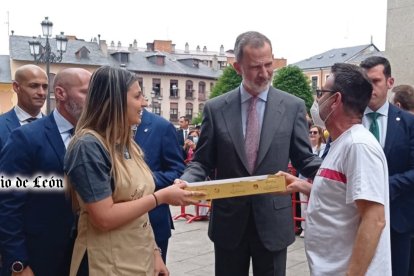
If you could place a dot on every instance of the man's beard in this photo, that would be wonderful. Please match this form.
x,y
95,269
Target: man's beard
x,y
73,109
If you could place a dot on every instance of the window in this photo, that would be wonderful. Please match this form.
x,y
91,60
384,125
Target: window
x,y
173,112
202,90
156,88
200,107
141,85
314,82
189,111
156,108
189,90
174,89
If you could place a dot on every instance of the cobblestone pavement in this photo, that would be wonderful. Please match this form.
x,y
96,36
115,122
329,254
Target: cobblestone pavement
x,y
191,251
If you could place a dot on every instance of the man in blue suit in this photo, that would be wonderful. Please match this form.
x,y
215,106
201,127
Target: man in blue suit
x,y
30,85
157,138
394,129
36,225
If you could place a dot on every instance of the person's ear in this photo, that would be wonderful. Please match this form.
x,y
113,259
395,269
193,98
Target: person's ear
x,y
237,67
337,100
16,87
390,82
60,93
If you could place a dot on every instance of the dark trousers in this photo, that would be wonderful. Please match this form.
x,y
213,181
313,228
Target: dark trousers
x,y
400,253
164,247
237,261
412,257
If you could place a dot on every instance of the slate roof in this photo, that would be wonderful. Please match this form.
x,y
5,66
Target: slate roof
x,y
348,54
19,50
138,61
5,75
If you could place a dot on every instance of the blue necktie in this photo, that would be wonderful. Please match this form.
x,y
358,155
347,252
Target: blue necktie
x,y
31,119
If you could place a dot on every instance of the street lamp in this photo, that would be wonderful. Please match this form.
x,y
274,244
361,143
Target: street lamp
x,y
44,54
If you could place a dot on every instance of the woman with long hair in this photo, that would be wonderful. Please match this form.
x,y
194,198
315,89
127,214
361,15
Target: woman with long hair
x,y
317,140
112,185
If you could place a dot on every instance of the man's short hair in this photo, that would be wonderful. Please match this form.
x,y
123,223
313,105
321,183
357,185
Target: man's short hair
x,y
404,94
186,119
354,85
254,39
373,61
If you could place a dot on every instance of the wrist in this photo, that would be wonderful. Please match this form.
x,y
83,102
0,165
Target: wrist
x,y
159,195
155,199
157,249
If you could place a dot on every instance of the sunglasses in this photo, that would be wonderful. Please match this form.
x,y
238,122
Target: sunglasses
x,y
313,132
320,91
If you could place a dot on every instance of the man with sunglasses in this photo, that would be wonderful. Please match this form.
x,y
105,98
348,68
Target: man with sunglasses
x,y
347,226
394,129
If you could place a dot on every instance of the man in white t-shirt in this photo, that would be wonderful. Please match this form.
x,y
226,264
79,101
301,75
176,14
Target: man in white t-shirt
x,y
347,227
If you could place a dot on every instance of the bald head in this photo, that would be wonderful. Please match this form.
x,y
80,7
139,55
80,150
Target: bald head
x,y
27,71
71,87
30,84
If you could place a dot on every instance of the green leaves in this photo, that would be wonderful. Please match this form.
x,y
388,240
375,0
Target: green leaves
x,y
292,80
229,80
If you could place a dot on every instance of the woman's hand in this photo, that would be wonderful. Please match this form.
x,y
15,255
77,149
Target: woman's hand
x,y
159,266
176,195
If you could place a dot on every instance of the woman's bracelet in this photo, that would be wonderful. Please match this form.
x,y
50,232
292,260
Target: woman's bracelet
x,y
158,249
156,199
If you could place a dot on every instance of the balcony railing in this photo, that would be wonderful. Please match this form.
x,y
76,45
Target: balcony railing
x,y
189,94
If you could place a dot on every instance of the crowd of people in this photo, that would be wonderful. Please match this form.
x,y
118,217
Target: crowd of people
x,y
123,165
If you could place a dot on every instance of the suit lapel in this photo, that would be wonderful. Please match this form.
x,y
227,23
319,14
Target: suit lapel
x,y
12,120
54,138
271,121
232,118
143,130
392,125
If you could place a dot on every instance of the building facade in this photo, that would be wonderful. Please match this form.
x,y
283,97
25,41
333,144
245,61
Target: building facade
x,y
399,45
176,84
318,67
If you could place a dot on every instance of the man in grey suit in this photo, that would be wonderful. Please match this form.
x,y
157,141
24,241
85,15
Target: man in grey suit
x,y
252,130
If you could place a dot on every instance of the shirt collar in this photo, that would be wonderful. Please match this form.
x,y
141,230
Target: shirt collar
x,y
383,110
245,96
62,124
23,115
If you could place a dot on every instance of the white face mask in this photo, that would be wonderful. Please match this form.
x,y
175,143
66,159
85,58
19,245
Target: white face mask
x,y
195,140
316,118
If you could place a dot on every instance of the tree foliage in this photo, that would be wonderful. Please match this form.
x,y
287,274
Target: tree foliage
x,y
198,119
292,80
229,80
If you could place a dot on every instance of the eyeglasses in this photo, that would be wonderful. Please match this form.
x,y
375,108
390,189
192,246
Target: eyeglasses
x,y
313,132
320,91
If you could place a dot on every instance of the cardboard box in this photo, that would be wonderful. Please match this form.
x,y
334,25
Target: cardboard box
x,y
242,186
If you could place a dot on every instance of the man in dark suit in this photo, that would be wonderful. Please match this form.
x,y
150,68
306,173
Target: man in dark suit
x,y
36,224
182,133
394,129
157,138
30,84
252,130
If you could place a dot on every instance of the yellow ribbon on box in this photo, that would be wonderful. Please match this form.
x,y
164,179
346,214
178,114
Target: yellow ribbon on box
x,y
242,186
